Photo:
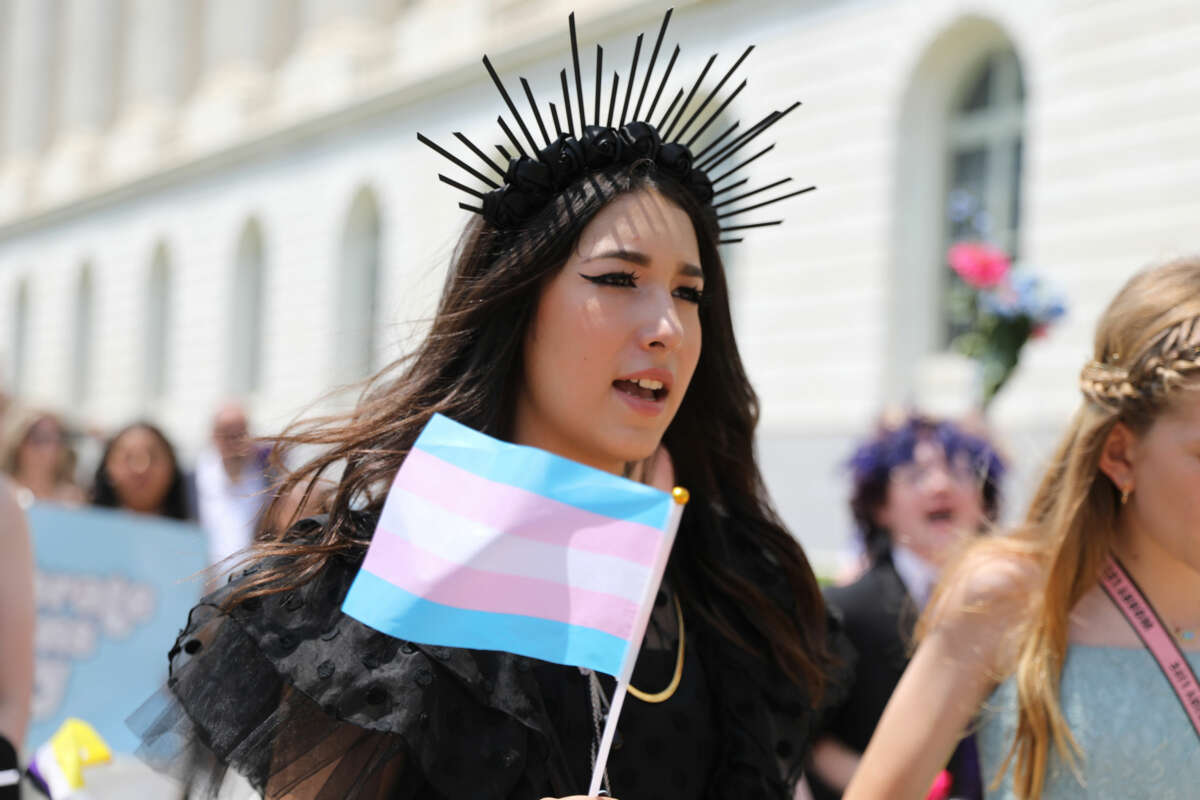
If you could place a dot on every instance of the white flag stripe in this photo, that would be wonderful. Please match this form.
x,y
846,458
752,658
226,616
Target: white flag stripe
x,y
459,540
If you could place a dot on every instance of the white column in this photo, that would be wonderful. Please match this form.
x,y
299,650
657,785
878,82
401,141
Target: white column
x,y
423,50
319,13
30,76
342,48
160,67
87,102
5,48
243,44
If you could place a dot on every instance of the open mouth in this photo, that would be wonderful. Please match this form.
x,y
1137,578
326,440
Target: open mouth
x,y
940,515
642,388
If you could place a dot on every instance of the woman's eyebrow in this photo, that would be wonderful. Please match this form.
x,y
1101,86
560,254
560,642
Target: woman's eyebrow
x,y
632,256
642,260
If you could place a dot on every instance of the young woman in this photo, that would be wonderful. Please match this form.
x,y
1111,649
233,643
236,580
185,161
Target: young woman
x,y
1022,633
590,319
921,488
139,472
40,460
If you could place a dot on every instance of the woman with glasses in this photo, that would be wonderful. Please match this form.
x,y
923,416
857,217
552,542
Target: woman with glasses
x,y
920,488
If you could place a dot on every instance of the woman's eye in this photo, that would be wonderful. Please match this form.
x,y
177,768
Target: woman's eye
x,y
628,279
690,294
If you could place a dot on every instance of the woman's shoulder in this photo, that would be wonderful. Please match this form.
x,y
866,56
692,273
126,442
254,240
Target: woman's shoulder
x,y
983,601
995,577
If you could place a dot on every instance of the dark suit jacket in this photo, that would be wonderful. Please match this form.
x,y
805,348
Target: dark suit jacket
x,y
879,617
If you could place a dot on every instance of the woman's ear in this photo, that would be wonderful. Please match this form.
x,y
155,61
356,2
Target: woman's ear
x,y
1116,456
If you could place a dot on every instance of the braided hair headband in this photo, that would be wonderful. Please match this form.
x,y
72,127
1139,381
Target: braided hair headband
x,y
534,176
1173,358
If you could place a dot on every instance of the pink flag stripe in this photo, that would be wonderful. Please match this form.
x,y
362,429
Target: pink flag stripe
x,y
423,574
518,512
427,526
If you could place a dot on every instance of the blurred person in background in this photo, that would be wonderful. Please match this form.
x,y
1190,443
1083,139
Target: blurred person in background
x,y
922,487
39,458
232,479
139,472
16,637
1084,686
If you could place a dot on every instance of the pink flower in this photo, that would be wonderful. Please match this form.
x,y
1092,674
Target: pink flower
x,y
940,789
980,265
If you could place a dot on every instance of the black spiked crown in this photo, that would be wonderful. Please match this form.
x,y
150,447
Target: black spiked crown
x,y
534,176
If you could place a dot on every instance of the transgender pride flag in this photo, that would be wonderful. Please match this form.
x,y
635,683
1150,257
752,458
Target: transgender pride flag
x,y
494,546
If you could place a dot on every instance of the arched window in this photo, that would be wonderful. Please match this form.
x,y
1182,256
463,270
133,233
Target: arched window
x,y
81,350
245,336
20,340
358,281
957,174
158,324
984,149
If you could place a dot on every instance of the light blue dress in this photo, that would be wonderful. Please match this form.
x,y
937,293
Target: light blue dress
x,y
1137,741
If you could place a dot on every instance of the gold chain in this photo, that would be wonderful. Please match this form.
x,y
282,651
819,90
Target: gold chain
x,y
665,694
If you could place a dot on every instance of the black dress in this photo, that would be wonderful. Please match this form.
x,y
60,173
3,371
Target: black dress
x,y
289,691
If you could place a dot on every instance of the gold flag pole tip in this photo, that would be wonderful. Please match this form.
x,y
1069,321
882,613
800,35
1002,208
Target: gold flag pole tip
x,y
680,495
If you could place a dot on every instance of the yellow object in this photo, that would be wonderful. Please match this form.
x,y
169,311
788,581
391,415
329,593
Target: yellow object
x,y
77,745
681,495
665,694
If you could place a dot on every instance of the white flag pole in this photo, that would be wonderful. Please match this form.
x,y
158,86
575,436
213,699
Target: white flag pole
x,y
680,496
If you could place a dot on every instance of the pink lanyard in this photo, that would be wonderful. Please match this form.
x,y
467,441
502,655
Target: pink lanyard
x,y
1142,617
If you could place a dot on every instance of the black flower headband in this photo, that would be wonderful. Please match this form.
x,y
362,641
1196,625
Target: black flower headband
x,y
535,176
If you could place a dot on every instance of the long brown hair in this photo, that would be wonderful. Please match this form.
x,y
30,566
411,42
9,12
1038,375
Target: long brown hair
x,y
1147,348
468,368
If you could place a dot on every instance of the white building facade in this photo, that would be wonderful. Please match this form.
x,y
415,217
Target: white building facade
x,y
210,198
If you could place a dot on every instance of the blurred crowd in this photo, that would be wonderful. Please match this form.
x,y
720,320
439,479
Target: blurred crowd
x,y
138,469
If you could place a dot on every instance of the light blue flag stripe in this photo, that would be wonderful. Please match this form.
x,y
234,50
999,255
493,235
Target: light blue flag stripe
x,y
545,474
391,610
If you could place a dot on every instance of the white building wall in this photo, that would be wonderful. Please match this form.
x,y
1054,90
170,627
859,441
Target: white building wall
x,y
829,307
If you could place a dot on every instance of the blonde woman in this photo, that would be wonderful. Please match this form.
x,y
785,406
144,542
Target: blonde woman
x,y
40,460
1023,637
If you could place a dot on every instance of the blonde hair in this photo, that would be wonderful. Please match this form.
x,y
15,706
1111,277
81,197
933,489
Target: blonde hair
x,y
21,423
1147,346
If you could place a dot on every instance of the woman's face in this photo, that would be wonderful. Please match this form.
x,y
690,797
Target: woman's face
x,y
140,469
41,450
933,502
616,336
1165,464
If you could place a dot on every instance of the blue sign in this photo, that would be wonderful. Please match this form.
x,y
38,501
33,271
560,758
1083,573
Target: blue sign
x,y
113,589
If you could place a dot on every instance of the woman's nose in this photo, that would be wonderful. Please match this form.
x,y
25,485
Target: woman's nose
x,y
662,327
942,479
139,462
